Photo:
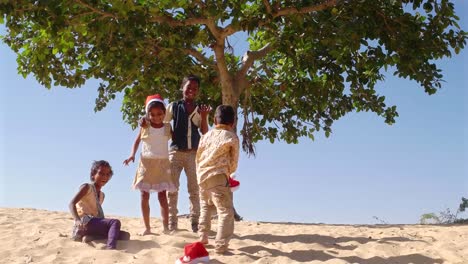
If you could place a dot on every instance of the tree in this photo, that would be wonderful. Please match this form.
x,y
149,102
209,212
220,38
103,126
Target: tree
x,y
309,63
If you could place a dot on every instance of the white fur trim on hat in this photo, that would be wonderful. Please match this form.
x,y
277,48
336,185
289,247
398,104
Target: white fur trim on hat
x,y
153,98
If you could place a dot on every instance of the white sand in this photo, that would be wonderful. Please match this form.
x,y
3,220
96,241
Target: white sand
x,y
40,236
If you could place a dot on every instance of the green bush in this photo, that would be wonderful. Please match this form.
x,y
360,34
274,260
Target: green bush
x,y
446,216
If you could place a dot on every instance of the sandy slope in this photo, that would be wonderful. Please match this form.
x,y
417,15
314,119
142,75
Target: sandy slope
x,y
40,236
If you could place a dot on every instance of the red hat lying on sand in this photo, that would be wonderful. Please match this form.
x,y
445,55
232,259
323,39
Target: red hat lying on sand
x,y
194,253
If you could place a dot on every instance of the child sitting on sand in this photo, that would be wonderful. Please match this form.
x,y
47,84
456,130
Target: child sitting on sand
x,y
217,158
86,209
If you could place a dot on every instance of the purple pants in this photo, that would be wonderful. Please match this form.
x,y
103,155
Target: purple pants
x,y
106,227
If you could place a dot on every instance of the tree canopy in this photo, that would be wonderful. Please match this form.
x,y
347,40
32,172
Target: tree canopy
x,y
309,62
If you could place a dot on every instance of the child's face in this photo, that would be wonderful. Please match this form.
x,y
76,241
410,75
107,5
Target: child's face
x,y
156,115
190,90
102,175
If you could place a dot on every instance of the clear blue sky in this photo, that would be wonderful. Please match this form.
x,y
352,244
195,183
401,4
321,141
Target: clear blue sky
x,y
48,139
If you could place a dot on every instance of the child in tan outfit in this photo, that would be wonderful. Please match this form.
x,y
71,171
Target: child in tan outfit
x,y
217,157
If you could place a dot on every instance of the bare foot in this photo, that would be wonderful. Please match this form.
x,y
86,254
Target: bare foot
x,y
146,232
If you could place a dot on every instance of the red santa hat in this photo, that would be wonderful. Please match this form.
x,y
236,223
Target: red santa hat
x,y
153,98
194,253
234,184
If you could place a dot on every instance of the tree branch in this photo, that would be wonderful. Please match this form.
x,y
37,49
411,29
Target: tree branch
x,y
179,23
249,58
267,6
218,49
229,30
385,22
278,12
74,18
215,30
200,3
304,10
95,10
200,57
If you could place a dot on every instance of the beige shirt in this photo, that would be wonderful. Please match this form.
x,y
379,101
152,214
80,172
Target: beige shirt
x,y
87,205
218,153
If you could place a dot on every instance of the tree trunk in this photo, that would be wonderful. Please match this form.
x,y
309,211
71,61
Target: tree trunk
x,y
231,89
228,94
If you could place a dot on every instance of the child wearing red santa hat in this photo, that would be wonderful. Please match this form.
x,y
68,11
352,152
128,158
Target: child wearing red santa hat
x,y
154,169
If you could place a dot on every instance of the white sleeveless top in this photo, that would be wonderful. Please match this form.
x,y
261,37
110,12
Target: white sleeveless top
x,y
155,142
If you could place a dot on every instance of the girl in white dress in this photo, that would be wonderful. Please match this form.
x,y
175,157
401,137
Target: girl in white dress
x,y
154,169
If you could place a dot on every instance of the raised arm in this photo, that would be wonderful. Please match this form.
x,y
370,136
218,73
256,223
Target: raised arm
x,y
204,111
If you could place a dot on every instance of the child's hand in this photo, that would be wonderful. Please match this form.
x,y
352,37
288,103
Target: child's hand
x,y
127,161
142,122
78,230
204,110
79,224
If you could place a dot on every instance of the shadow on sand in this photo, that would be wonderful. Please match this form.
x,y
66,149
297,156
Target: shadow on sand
x,y
332,243
311,255
326,241
129,246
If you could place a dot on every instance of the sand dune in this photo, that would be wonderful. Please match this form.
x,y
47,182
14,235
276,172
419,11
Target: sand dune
x,y
40,236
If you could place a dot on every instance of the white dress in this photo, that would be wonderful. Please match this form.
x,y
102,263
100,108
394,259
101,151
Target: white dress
x,y
154,169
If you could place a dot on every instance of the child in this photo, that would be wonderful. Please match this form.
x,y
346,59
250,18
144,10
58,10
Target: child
x,y
217,157
86,209
189,120
154,168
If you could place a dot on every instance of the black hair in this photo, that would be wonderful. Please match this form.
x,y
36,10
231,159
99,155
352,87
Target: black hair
x,y
190,78
96,165
225,115
156,104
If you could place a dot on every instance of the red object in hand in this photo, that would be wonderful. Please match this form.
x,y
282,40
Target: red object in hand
x,y
234,184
